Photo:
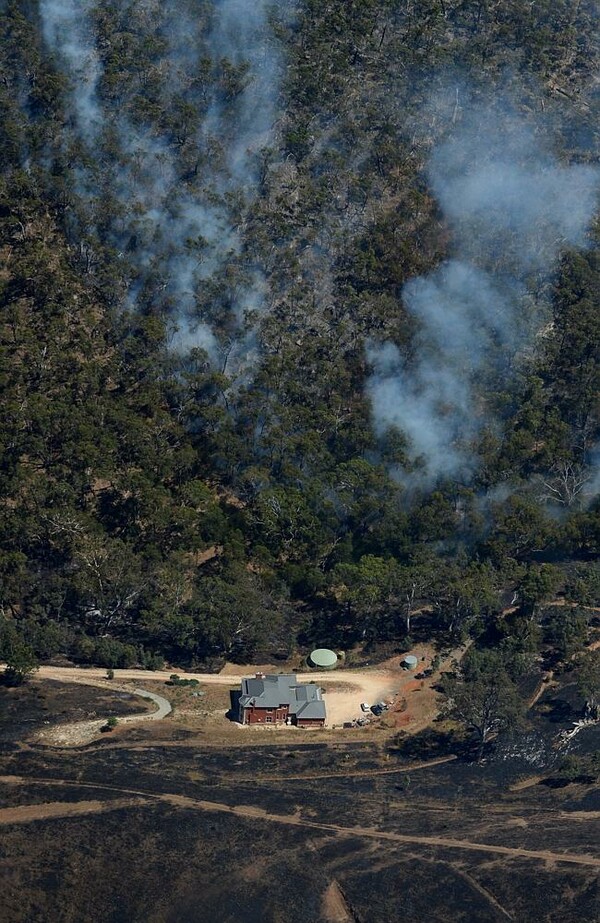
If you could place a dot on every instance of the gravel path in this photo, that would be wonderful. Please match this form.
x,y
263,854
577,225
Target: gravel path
x,y
78,733
164,707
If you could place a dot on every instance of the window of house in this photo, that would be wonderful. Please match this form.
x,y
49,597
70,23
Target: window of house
x,y
269,721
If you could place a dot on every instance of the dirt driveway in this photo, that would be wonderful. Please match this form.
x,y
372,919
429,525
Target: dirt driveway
x,y
344,694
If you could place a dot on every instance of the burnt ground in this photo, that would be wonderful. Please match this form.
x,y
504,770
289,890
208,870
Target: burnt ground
x,y
28,708
156,840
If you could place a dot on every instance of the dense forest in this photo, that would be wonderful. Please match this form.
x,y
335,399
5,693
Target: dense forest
x,y
300,332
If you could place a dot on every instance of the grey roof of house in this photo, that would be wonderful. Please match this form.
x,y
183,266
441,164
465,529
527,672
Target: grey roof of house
x,y
268,692
304,699
311,710
308,702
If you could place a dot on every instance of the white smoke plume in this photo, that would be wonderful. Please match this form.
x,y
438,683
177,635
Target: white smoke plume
x,y
68,32
512,207
240,34
175,232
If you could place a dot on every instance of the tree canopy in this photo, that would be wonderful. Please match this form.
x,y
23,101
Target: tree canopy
x,y
212,314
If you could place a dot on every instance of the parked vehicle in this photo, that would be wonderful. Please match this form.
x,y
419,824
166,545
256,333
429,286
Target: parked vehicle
x,y
365,706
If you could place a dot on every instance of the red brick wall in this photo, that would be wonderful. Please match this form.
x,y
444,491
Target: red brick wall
x,y
260,715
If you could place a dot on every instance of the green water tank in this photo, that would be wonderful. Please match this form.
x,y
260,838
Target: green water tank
x,y
323,659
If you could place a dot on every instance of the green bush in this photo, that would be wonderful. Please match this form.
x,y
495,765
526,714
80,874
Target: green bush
x,y
176,680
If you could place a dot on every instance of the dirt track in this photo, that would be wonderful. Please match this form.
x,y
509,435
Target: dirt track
x,y
350,773
548,677
84,674
28,813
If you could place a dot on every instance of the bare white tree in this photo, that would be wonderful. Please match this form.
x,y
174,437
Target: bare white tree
x,y
566,484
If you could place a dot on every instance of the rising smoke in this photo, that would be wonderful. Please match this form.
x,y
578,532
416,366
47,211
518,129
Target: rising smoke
x,y
512,207
176,233
68,30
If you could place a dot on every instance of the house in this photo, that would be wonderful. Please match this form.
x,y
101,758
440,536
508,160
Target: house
x,y
280,699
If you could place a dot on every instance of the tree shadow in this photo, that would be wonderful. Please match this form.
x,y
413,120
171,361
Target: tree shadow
x,y
234,700
431,744
562,782
11,679
558,711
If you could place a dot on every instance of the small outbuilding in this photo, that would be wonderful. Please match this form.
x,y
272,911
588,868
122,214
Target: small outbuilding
x,y
410,662
323,659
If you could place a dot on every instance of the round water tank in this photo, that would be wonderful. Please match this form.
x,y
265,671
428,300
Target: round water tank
x,y
410,662
323,659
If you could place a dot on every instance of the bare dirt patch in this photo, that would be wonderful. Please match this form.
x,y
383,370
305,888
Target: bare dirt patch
x,y
334,907
343,702
27,813
75,734
235,669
